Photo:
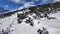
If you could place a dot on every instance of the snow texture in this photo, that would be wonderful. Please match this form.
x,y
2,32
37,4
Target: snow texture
x,y
10,24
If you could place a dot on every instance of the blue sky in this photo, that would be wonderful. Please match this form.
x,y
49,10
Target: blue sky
x,y
14,4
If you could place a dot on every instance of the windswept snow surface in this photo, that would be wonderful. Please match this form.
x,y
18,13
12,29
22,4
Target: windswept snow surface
x,y
52,25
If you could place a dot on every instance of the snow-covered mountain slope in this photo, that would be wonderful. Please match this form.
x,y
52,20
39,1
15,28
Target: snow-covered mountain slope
x,y
7,21
52,25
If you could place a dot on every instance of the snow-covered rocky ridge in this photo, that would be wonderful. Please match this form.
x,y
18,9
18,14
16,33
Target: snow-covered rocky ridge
x,y
52,25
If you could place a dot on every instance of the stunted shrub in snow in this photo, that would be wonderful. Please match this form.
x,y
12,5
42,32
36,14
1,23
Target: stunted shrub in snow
x,y
21,17
29,21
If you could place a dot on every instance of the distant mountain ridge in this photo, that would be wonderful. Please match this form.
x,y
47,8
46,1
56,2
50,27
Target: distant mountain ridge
x,y
43,7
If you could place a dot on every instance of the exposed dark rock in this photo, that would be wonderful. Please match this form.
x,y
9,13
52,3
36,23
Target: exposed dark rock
x,y
32,24
51,18
19,21
39,31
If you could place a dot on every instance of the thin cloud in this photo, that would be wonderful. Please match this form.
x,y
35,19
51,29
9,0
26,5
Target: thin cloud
x,y
44,1
36,0
16,1
56,0
6,6
27,5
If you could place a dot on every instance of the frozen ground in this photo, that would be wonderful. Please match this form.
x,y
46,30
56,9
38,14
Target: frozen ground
x,y
52,25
